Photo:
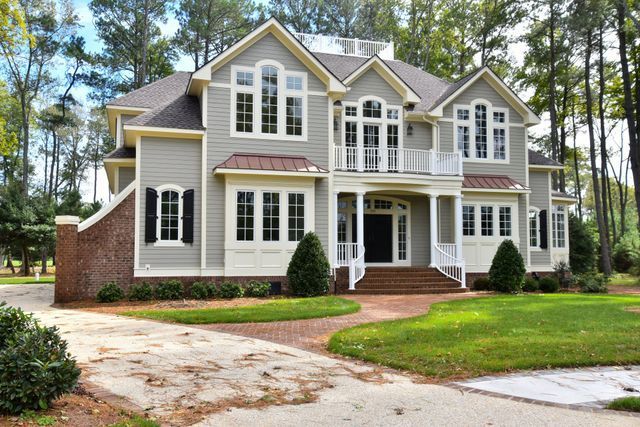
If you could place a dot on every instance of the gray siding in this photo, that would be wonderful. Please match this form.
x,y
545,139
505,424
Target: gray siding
x,y
482,89
126,176
516,168
539,198
523,219
370,83
170,161
421,138
446,220
420,252
221,145
268,47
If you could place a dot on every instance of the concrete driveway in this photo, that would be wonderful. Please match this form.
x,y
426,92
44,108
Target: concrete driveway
x,y
186,375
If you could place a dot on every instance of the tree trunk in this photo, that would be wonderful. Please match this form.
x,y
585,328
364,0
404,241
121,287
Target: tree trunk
x,y
603,134
24,269
10,265
43,270
604,246
628,102
553,117
25,146
613,227
575,160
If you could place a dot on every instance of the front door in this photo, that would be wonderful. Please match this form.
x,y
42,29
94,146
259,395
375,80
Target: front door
x,y
378,237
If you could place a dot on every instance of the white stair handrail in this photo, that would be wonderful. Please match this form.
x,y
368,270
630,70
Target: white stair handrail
x,y
356,268
450,265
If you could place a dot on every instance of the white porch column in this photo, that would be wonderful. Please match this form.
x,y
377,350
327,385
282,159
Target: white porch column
x,y
335,227
360,218
458,225
433,226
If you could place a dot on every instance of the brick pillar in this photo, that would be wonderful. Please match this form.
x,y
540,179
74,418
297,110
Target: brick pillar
x,y
66,258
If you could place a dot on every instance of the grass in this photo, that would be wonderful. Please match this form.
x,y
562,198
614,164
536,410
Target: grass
x,y
630,403
624,280
478,336
17,280
283,309
136,421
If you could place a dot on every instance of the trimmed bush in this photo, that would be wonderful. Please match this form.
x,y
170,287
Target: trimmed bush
x,y
562,272
110,292
35,367
482,284
212,289
507,269
308,271
230,290
170,289
592,283
582,247
141,292
625,256
530,285
549,285
257,289
200,290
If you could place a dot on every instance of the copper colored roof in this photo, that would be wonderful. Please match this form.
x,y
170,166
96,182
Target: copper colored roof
x,y
492,182
270,162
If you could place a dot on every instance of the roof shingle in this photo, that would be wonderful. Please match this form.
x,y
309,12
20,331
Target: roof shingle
x,y
157,93
181,113
122,153
536,158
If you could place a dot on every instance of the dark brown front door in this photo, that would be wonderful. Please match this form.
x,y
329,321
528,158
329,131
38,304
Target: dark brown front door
x,y
378,237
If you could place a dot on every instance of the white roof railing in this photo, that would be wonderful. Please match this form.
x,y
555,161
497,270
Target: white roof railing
x,y
343,46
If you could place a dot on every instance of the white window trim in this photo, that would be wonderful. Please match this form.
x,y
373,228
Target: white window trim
x,y
262,193
256,90
383,121
256,194
305,207
554,228
475,217
471,124
537,211
510,220
495,237
159,191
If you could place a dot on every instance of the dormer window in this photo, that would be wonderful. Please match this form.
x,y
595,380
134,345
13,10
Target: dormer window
x,y
273,107
481,131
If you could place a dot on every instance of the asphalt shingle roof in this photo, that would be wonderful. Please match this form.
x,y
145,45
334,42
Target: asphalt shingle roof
x,y
536,158
157,93
122,153
181,113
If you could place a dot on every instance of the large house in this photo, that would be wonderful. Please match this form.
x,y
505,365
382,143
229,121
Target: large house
x,y
410,182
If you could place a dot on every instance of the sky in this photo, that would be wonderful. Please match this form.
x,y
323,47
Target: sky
x,y
87,30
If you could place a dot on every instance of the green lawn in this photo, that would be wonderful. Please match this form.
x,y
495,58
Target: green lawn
x,y
25,280
630,403
498,334
624,279
283,309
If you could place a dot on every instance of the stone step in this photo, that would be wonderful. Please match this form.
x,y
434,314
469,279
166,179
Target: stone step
x,y
406,291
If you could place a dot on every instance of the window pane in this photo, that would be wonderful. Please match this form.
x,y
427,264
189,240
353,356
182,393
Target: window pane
x,y
533,228
371,141
498,117
342,227
505,221
294,115
270,217
244,78
269,100
296,216
486,220
499,144
402,237
468,220
382,204
392,145
392,113
351,111
244,215
481,132
372,109
294,83
169,215
463,140
463,114
244,112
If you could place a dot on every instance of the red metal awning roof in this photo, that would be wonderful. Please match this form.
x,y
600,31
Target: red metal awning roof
x,y
492,182
270,162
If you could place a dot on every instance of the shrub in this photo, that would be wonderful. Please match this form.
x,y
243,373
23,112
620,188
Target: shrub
x,y
200,290
582,252
110,292
212,289
257,289
592,283
308,271
170,289
141,292
530,285
507,268
625,256
482,284
563,274
35,367
549,285
230,290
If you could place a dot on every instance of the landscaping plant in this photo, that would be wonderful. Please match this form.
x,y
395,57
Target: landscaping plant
x,y
170,289
530,284
230,290
549,285
562,272
212,290
507,269
35,367
482,284
308,271
200,290
110,292
257,289
582,250
141,292
592,283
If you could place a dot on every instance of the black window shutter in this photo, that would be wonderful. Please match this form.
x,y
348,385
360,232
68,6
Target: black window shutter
x,y
187,216
151,216
544,233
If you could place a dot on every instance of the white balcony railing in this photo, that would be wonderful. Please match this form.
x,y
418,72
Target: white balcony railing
x,y
343,46
398,160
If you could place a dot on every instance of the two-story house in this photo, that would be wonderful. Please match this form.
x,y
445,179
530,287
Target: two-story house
x,y
410,182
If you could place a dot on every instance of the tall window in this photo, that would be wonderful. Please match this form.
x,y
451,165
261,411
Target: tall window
x,y
342,227
402,237
486,220
504,213
468,220
499,144
296,216
481,131
558,221
169,215
534,229
245,203
270,216
463,140
244,112
294,115
269,99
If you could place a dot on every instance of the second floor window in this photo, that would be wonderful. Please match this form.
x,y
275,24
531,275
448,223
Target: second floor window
x,y
481,132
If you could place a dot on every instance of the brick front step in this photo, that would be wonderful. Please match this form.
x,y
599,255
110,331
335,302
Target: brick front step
x,y
405,291
404,285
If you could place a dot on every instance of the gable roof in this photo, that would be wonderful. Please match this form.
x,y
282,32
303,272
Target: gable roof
x,y
537,159
182,113
154,94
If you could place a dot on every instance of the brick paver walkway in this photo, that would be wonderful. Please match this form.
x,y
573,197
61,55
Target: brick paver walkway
x,y
313,334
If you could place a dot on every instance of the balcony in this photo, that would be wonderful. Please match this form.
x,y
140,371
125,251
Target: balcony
x,y
396,160
341,46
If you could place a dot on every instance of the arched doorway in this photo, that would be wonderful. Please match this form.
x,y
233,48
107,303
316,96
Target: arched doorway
x,y
387,228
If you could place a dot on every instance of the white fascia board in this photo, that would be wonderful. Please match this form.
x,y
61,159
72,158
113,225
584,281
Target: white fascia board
x,y
545,167
163,130
564,200
494,190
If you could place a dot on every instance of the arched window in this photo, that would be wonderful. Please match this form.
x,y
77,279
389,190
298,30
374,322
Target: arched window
x,y
481,131
534,227
474,124
169,215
